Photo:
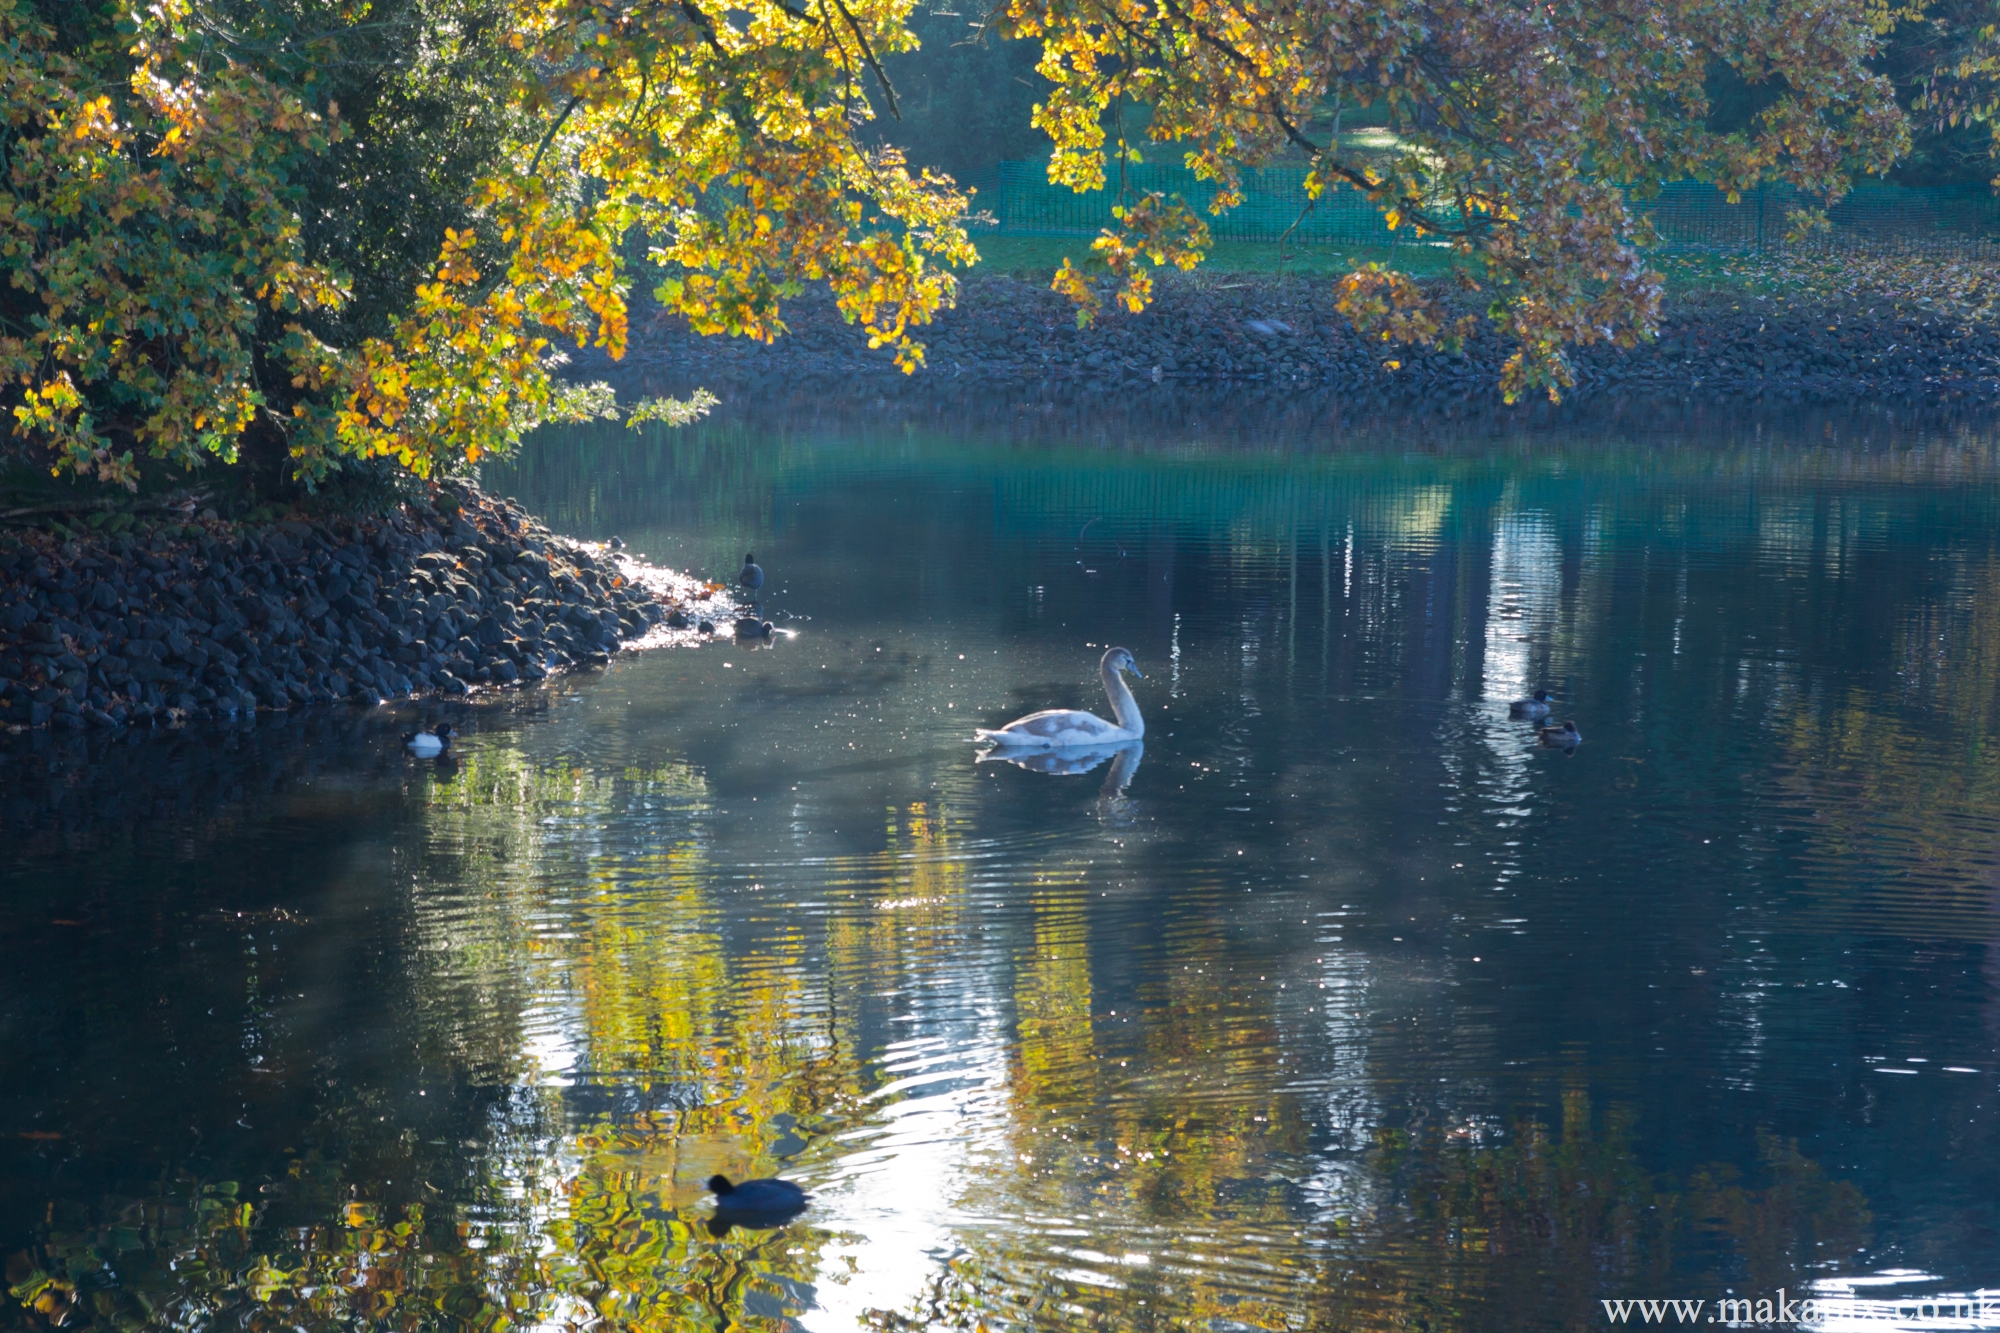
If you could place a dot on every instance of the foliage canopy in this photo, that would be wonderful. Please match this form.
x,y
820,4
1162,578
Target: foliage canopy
x,y
336,229
1524,125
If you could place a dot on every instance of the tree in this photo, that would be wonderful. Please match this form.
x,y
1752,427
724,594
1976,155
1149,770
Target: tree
x,y
146,221
1526,127
335,229
206,248
1944,57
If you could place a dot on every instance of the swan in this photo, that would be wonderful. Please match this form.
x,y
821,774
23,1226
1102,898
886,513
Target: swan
x,y
1065,728
751,576
429,742
1565,737
1536,707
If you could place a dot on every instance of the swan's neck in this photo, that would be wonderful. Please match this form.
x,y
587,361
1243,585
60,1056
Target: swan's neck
x,y
1123,706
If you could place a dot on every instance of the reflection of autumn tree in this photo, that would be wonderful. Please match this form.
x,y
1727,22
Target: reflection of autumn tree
x,y
1463,1234
202,1256
630,1258
663,1004
197,1255
903,901
1871,777
1797,1220
1467,1235
664,1007
746,1035
1491,1229
526,917
1167,1143
1056,1060
1157,1169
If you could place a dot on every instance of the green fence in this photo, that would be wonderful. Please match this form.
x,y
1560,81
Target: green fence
x,y
1686,216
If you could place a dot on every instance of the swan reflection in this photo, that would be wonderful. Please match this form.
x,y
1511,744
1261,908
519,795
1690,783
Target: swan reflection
x,y
1077,760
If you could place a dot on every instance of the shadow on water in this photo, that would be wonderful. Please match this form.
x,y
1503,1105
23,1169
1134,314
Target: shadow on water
x,y
1349,1006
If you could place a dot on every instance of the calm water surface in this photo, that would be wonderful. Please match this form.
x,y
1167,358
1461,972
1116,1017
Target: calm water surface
x,y
1343,1004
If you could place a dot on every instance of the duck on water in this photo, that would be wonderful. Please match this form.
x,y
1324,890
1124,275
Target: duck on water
x,y
769,1202
427,743
1067,728
1535,706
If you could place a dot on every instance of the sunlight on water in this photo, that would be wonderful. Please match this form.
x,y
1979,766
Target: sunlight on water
x,y
1340,1002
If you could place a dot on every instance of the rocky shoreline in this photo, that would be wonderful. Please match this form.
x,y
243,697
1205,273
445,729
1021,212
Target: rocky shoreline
x,y
1287,332
142,623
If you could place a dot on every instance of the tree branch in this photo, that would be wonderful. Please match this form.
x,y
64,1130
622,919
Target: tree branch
x,y
701,21
549,138
868,54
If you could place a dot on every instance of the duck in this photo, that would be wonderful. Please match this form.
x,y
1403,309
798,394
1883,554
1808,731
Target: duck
x,y
1536,706
756,1198
749,627
1066,728
429,742
751,576
1565,737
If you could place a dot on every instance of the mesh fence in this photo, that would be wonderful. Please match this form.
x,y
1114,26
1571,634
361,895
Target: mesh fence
x,y
1689,215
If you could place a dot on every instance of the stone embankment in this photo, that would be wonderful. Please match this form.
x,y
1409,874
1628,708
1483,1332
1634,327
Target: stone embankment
x,y
199,618
1287,331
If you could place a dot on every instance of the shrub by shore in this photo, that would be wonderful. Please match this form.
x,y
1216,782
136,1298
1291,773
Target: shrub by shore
x,y
167,621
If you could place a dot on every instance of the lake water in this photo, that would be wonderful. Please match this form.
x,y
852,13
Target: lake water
x,y
1344,1004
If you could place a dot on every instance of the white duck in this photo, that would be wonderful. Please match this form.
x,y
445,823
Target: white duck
x,y
1065,728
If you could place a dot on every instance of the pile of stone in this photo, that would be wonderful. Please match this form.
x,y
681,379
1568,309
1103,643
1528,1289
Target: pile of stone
x,y
1288,332
206,618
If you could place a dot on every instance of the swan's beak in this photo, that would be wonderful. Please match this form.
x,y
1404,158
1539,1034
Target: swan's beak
x,y
1134,669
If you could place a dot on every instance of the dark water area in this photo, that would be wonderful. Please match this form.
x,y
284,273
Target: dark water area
x,y
1341,1003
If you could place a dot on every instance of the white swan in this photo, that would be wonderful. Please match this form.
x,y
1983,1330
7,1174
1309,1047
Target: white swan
x,y
1066,728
